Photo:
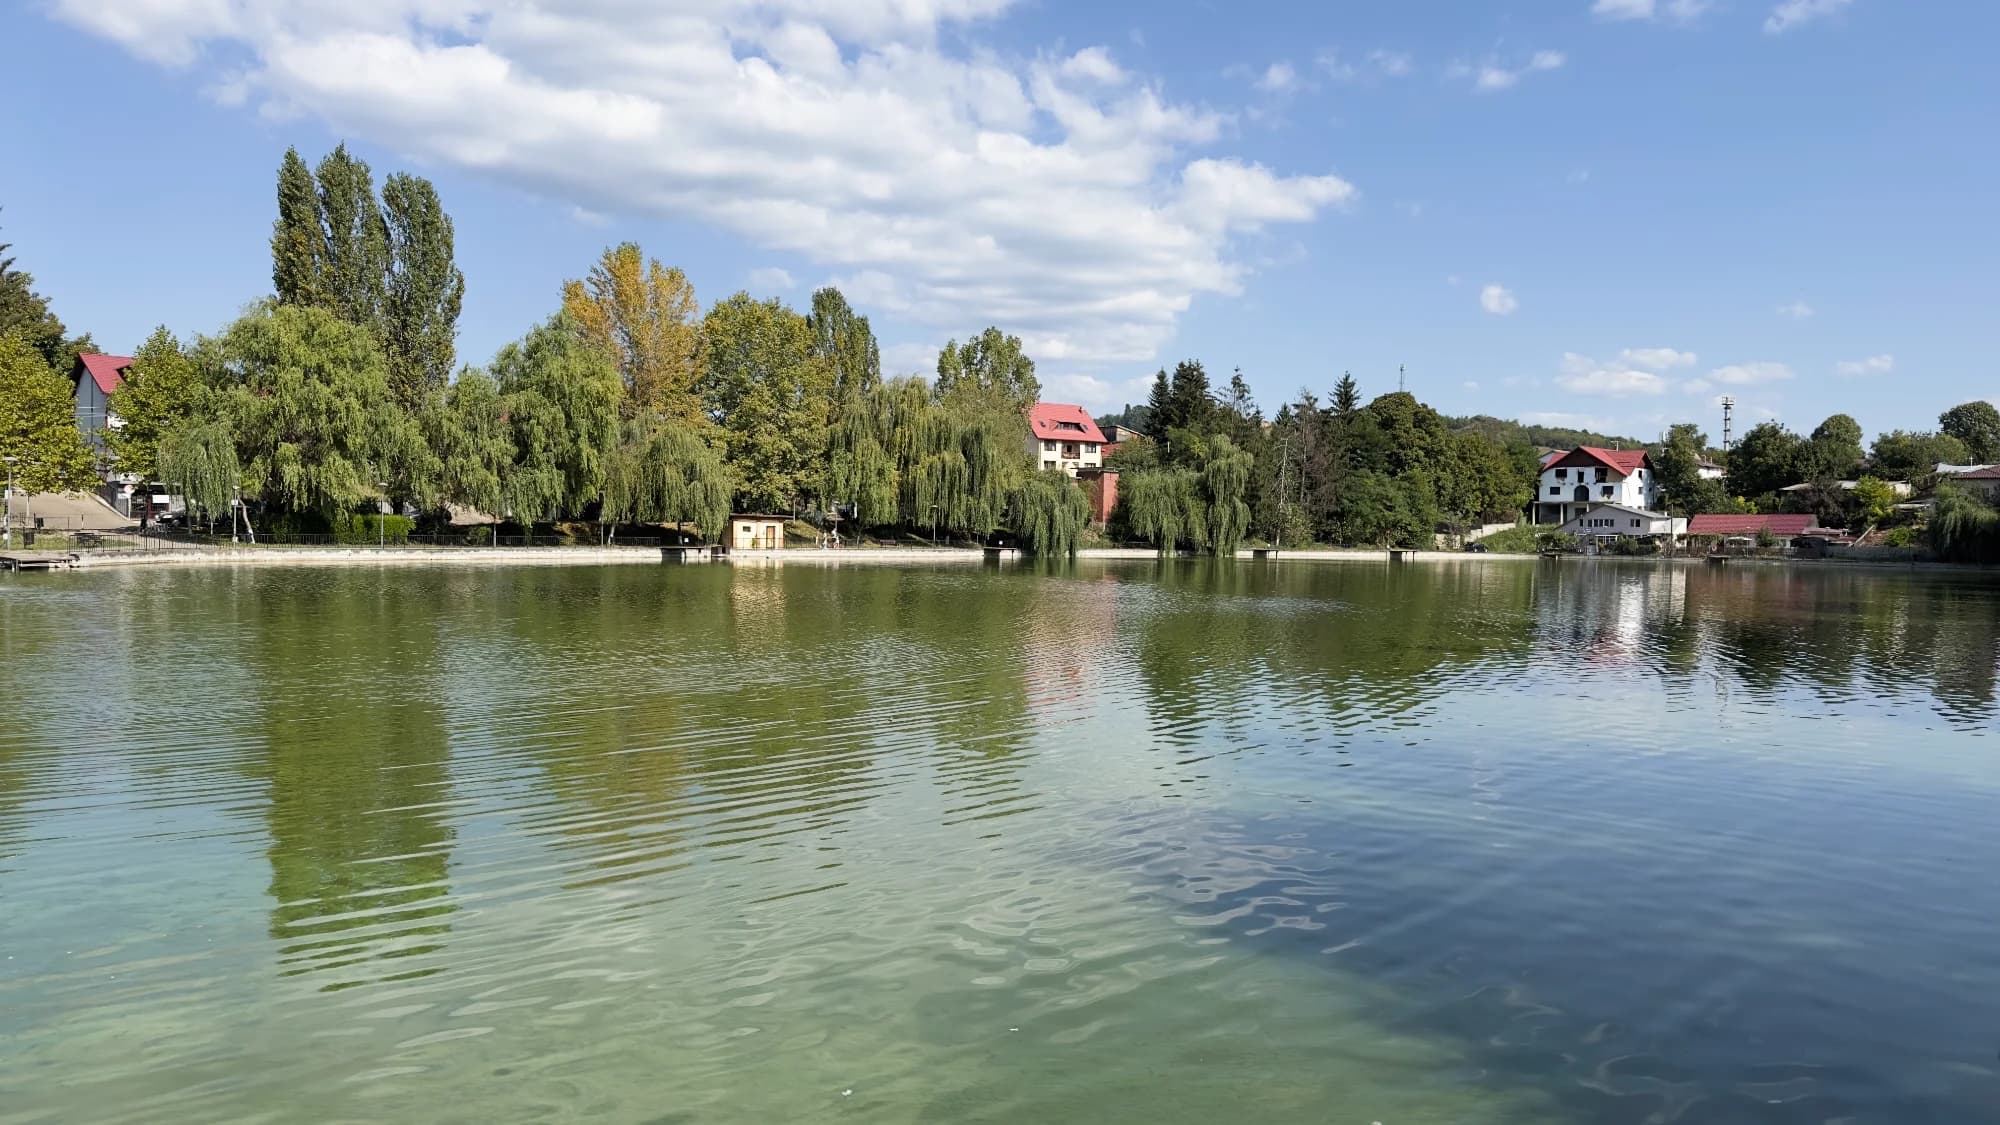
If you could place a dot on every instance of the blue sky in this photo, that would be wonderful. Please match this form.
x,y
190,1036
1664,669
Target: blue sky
x,y
1599,211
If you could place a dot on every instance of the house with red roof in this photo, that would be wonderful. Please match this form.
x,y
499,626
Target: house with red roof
x,y
96,376
1784,527
1984,480
1063,436
1573,483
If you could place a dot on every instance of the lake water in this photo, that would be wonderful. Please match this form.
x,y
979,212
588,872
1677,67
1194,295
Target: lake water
x,y
1479,841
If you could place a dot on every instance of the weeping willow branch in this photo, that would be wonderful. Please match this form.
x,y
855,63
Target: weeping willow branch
x,y
670,477
199,462
1050,513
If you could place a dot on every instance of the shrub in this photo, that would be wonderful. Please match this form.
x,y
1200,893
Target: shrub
x,y
1900,537
361,528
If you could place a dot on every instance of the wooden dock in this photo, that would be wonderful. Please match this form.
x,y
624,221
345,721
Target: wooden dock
x,y
37,560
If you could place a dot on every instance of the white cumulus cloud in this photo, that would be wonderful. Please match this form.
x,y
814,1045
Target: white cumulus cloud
x,y
770,277
1673,11
1498,300
1581,374
1746,374
1793,13
1873,365
1796,310
1279,78
1657,359
1491,75
1057,195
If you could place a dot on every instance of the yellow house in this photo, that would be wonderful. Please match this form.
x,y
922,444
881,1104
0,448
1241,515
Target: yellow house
x,y
755,533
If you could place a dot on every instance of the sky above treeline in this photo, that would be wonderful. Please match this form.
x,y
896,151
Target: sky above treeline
x,y
1601,213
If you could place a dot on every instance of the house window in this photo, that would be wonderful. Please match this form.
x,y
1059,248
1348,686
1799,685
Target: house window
x,y
1562,474
1090,447
1602,475
1048,447
1048,464
1608,491
1554,491
1069,450
1635,523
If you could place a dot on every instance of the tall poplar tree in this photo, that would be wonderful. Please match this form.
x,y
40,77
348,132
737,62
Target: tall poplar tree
x,y
354,263
423,291
842,338
298,242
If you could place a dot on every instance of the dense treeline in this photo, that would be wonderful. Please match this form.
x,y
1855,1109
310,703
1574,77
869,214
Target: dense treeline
x,y
1388,472
628,405
631,405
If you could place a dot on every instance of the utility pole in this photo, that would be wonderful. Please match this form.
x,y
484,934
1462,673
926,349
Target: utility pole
x,y
7,534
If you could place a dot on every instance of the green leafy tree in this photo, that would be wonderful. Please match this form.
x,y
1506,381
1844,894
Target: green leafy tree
x,y
562,394
472,437
992,369
1906,456
1875,499
1164,507
298,241
862,469
842,339
161,391
38,422
773,396
1225,479
197,460
1678,466
668,476
1833,451
423,290
1050,513
309,404
1977,424
1767,459
354,247
1963,527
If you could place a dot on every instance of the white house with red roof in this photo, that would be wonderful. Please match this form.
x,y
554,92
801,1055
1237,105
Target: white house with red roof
x,y
1064,436
1574,482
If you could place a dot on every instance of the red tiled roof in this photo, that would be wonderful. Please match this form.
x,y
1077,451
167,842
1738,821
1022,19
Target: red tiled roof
x,y
1751,525
1059,421
1990,472
107,371
1624,461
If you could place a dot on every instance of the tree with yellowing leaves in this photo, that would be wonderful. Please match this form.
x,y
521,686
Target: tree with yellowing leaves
x,y
646,315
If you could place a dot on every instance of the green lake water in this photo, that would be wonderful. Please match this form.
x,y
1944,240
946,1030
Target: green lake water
x,y
1479,841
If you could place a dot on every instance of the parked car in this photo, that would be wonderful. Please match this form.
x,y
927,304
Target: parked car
x,y
1476,548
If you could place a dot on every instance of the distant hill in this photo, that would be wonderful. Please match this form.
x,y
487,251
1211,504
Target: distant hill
x,y
1505,430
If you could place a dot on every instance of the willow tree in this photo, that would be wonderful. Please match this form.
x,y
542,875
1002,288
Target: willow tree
x,y
1225,476
1165,507
562,395
1050,513
197,460
646,317
1963,527
308,394
861,467
469,430
668,476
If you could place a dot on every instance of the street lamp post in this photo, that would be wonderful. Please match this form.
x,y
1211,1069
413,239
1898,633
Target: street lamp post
x,y
7,535
934,526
